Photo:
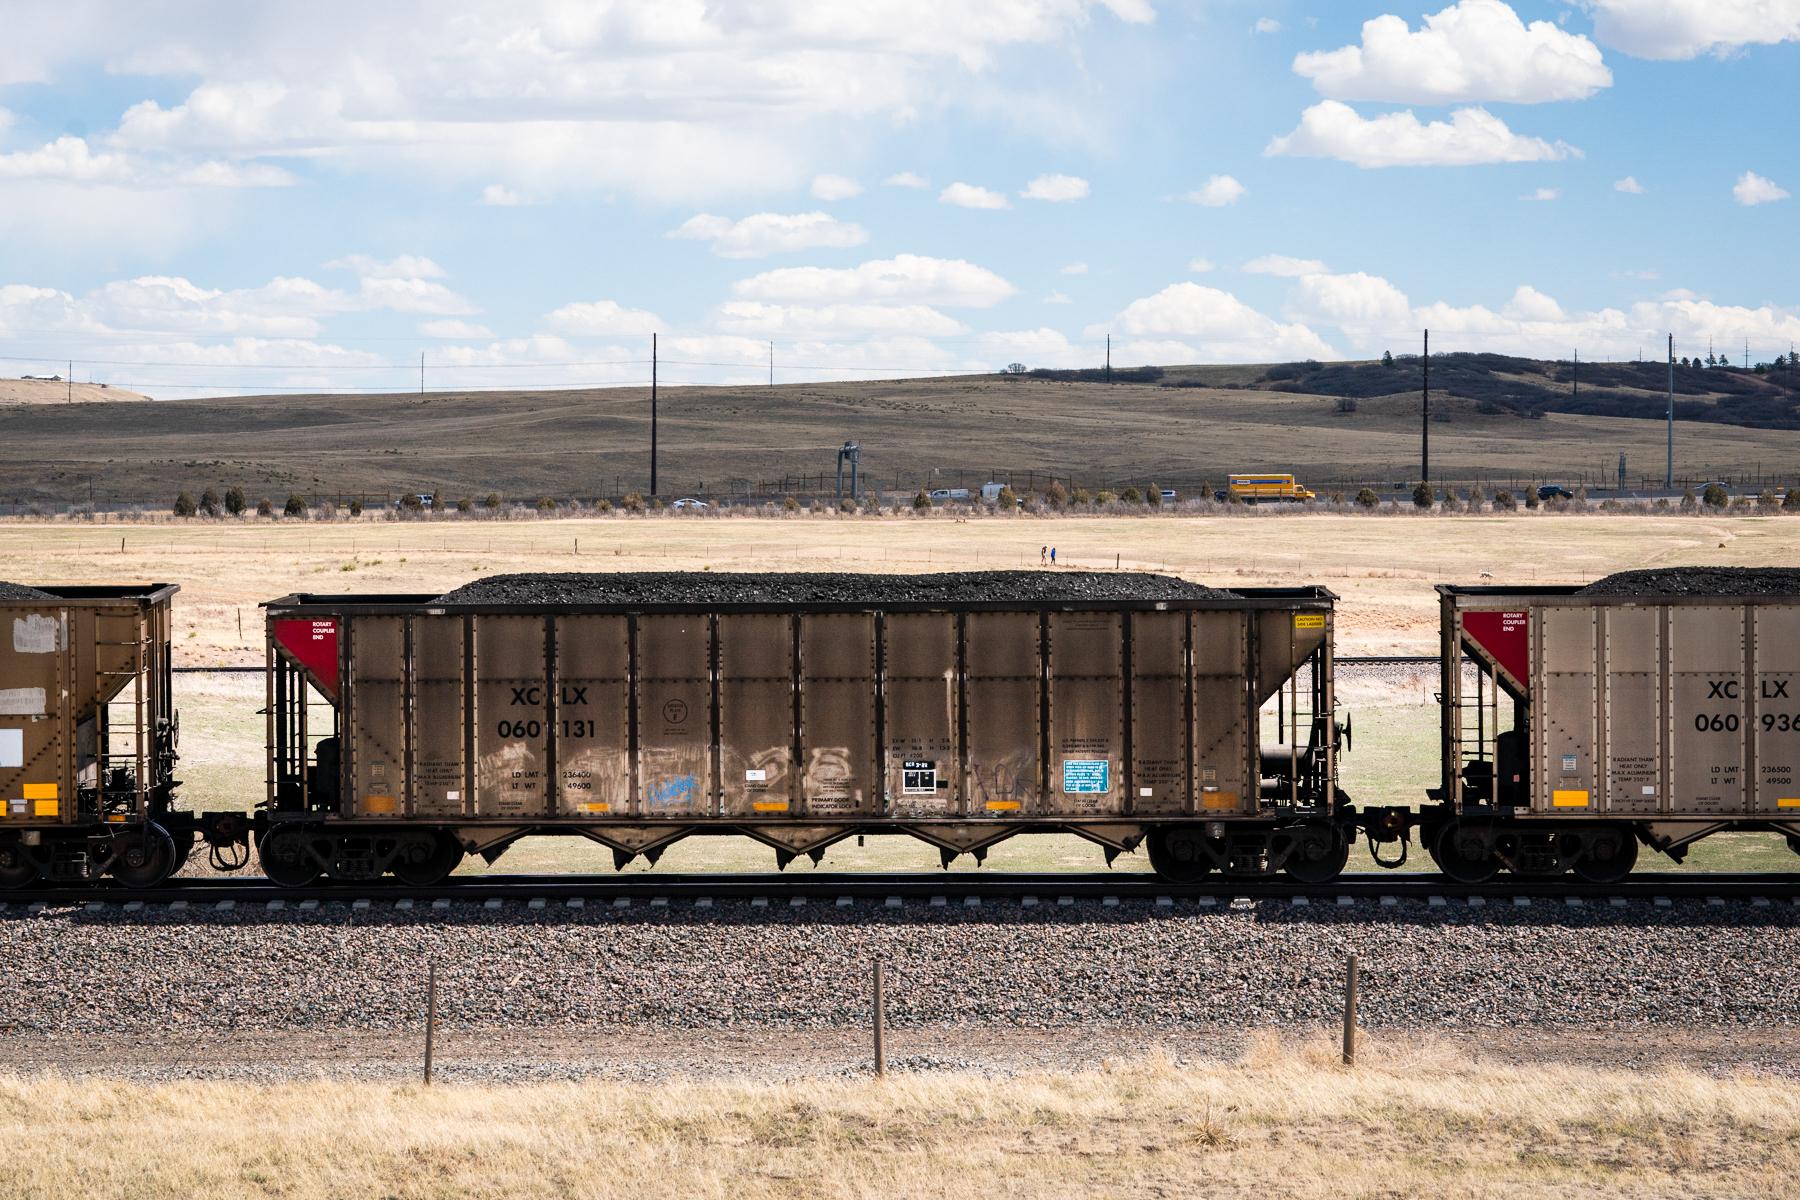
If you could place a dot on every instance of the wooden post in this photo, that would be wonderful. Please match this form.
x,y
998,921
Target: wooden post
x,y
430,1018
880,1020
1350,981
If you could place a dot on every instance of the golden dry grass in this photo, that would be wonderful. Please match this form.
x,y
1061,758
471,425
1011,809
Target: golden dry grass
x,y
1286,1120
1383,566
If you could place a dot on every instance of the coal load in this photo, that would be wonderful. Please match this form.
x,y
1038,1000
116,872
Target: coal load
x,y
1699,581
721,589
19,591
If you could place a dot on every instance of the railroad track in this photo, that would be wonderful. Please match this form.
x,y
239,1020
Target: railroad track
x,y
904,890
1342,660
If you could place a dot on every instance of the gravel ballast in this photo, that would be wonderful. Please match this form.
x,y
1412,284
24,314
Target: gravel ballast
x,y
723,588
1699,581
178,974
20,591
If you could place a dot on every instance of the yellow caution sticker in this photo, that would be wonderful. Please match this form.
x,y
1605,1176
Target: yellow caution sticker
x,y
1217,799
1002,805
1788,802
595,807
1309,620
40,791
381,804
1569,798
769,805
45,808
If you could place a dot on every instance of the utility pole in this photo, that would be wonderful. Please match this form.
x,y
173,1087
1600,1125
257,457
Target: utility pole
x,y
1425,416
70,381
652,416
1669,465
421,372
1746,354
1109,358
771,362
1575,376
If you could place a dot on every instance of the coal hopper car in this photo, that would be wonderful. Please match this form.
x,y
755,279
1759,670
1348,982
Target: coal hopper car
x,y
407,731
1652,708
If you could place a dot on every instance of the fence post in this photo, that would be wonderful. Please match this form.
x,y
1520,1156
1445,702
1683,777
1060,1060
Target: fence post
x,y
880,1019
1350,981
430,1018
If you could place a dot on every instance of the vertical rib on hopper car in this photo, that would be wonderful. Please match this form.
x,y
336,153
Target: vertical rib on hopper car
x,y
408,730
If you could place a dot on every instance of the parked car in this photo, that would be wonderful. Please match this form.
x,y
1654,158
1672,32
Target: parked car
x,y
689,502
1554,491
1168,496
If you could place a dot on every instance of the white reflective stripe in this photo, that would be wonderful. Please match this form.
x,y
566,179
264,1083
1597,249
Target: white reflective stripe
x,y
21,702
35,633
12,747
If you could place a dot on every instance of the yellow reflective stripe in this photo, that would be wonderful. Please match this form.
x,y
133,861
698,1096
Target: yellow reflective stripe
x,y
1002,805
1570,798
40,791
769,805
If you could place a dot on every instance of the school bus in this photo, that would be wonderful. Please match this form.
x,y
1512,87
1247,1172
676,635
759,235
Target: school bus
x,y
1252,488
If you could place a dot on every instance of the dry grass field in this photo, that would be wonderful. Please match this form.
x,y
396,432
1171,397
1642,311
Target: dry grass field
x,y
40,391
1285,1120
717,441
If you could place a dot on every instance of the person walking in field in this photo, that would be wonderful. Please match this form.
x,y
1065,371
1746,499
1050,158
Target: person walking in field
x,y
1042,550
1053,556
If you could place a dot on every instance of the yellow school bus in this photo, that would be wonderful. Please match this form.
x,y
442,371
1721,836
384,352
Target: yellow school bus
x,y
1252,488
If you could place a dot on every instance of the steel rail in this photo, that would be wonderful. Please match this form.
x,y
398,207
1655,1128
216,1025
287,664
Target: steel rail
x,y
959,887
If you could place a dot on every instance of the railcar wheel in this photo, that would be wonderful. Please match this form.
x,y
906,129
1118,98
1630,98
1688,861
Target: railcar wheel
x,y
147,860
1177,855
286,858
16,867
1463,855
434,864
1611,854
1320,854
184,848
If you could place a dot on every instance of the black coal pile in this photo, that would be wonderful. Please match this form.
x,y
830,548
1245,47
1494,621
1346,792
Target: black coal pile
x,y
1699,581
692,587
19,591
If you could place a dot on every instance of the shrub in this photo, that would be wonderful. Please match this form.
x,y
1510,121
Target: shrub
x,y
789,504
1104,497
545,504
356,507
437,499
1153,496
1476,499
411,503
209,503
846,505
1366,498
1791,501
1504,502
1447,499
1714,496
491,500
632,503
1422,496
234,501
1662,503
1132,496
1056,495
603,505
265,507
1689,502
921,502
295,506
1766,498
464,505
1009,499
1531,498
184,504
1083,497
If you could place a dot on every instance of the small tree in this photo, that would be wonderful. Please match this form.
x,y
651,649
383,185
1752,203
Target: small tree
x,y
209,503
1081,497
1791,501
235,502
1104,497
545,504
632,503
295,506
1447,500
922,501
411,502
1009,500
265,507
1056,495
790,504
1366,497
1714,496
1689,501
1387,358
184,504
464,505
356,506
1531,498
1504,502
1131,495
491,500
1766,499
1153,496
1422,496
1013,369
437,499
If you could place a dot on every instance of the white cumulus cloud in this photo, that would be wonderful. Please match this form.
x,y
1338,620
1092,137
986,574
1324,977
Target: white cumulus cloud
x,y
968,195
459,330
1677,29
1266,25
1058,298
498,195
907,179
1056,188
1074,268
834,187
1217,192
1629,185
1474,50
906,278
602,318
1215,324
1752,189
1364,306
763,234
1200,266
1332,129
1284,266
754,317
1545,194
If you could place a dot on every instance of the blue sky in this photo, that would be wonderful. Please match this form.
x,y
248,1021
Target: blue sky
x,y
204,198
